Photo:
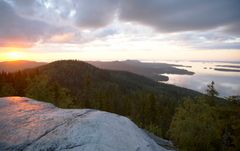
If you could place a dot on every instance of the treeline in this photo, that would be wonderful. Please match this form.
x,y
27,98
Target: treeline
x,y
204,123
30,85
193,123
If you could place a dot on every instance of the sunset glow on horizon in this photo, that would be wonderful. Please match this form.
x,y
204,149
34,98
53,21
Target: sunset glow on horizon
x,y
12,53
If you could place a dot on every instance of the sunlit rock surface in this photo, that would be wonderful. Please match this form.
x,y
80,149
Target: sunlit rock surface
x,y
26,124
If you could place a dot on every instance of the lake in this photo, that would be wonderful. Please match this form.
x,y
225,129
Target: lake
x,y
227,83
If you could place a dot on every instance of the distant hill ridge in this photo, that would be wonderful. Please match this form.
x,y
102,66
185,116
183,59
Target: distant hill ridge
x,y
150,70
12,66
147,69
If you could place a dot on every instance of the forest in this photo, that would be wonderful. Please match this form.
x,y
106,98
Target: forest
x,y
193,121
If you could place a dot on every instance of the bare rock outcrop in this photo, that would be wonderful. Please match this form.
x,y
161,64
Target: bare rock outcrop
x,y
27,125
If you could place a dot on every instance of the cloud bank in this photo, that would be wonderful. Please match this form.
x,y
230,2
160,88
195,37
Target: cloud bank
x,y
184,15
26,22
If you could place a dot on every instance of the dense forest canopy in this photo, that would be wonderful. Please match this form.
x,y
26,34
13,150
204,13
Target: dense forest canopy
x,y
189,118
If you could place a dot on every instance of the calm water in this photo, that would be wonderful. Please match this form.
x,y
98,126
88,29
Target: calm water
x,y
227,83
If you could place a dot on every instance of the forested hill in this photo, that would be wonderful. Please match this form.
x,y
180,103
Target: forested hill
x,y
74,75
76,84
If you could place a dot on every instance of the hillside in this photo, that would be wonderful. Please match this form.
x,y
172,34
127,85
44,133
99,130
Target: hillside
x,y
74,75
12,66
150,70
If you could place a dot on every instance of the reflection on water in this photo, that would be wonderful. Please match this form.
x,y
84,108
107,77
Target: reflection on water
x,y
227,83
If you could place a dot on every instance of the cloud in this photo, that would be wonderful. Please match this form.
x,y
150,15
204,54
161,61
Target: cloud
x,y
184,15
201,24
53,12
19,31
205,40
61,38
165,16
26,22
233,29
95,13
82,13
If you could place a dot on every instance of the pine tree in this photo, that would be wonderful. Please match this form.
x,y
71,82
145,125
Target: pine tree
x,y
211,91
39,89
211,94
7,90
195,126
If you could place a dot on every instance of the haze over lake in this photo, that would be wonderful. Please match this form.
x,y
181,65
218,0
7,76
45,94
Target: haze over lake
x,y
227,82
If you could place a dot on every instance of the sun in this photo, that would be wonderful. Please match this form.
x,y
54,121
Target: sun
x,y
14,55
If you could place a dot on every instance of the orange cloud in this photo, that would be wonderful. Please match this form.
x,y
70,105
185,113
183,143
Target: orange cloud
x,y
15,43
65,37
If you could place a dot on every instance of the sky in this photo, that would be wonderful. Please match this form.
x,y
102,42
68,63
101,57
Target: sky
x,y
150,30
